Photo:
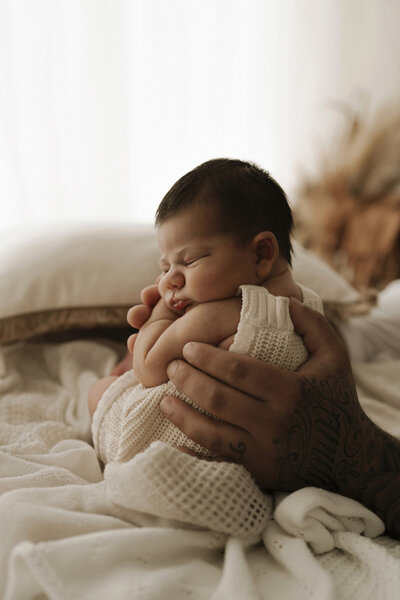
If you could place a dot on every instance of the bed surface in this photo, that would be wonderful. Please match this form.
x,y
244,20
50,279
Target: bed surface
x,y
67,531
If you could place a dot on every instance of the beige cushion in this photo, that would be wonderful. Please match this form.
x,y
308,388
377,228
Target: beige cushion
x,y
72,277
69,277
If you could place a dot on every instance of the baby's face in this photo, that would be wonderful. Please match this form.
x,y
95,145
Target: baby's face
x,y
199,265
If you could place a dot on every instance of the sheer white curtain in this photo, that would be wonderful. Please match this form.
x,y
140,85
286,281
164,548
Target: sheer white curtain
x,y
105,103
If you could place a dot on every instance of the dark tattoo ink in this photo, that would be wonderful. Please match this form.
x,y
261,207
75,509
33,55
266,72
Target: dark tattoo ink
x,y
241,448
331,443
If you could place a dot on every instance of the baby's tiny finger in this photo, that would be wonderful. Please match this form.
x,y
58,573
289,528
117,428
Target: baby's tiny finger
x,y
137,315
150,295
131,341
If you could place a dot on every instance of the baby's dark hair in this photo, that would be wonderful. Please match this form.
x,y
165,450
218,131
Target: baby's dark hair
x,y
247,199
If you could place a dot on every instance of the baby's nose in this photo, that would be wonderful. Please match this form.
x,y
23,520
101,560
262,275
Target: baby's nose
x,y
175,279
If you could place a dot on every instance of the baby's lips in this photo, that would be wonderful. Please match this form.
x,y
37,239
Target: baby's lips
x,y
180,305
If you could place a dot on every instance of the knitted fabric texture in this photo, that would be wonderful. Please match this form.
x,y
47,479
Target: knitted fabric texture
x,y
266,331
208,494
128,419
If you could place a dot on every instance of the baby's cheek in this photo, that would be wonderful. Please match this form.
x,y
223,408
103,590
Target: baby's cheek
x,y
209,284
207,288
161,286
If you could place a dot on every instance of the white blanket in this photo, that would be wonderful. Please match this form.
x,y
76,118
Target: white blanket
x,y
67,532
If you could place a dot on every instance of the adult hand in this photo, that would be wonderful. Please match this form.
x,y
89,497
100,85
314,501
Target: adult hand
x,y
290,429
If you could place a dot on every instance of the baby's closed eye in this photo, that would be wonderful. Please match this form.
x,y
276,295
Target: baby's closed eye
x,y
193,261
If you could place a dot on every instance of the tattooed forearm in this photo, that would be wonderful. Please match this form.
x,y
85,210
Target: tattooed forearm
x,y
318,434
380,489
331,443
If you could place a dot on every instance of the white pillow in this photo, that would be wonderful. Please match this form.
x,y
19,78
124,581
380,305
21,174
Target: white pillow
x,y
83,276
312,272
72,277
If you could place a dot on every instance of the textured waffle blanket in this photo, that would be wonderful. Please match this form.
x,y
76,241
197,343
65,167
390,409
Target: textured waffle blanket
x,y
69,531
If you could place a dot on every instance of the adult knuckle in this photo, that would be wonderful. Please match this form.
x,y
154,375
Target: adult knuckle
x,y
213,442
235,370
213,398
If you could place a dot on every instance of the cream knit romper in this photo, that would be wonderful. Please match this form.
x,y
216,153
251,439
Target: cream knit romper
x,y
128,419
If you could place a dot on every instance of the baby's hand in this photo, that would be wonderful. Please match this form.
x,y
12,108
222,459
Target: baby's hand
x,y
137,316
150,295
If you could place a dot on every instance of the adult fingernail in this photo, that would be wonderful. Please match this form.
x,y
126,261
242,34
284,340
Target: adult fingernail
x,y
172,368
188,350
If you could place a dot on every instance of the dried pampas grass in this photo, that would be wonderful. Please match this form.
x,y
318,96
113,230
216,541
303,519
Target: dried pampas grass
x,y
350,213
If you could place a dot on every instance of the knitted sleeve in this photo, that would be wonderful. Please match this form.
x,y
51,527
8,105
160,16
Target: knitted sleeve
x,y
266,331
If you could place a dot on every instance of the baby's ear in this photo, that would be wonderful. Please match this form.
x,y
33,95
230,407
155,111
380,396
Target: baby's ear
x,y
266,251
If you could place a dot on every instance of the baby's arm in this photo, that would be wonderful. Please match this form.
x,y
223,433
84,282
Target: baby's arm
x,y
160,319
162,337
